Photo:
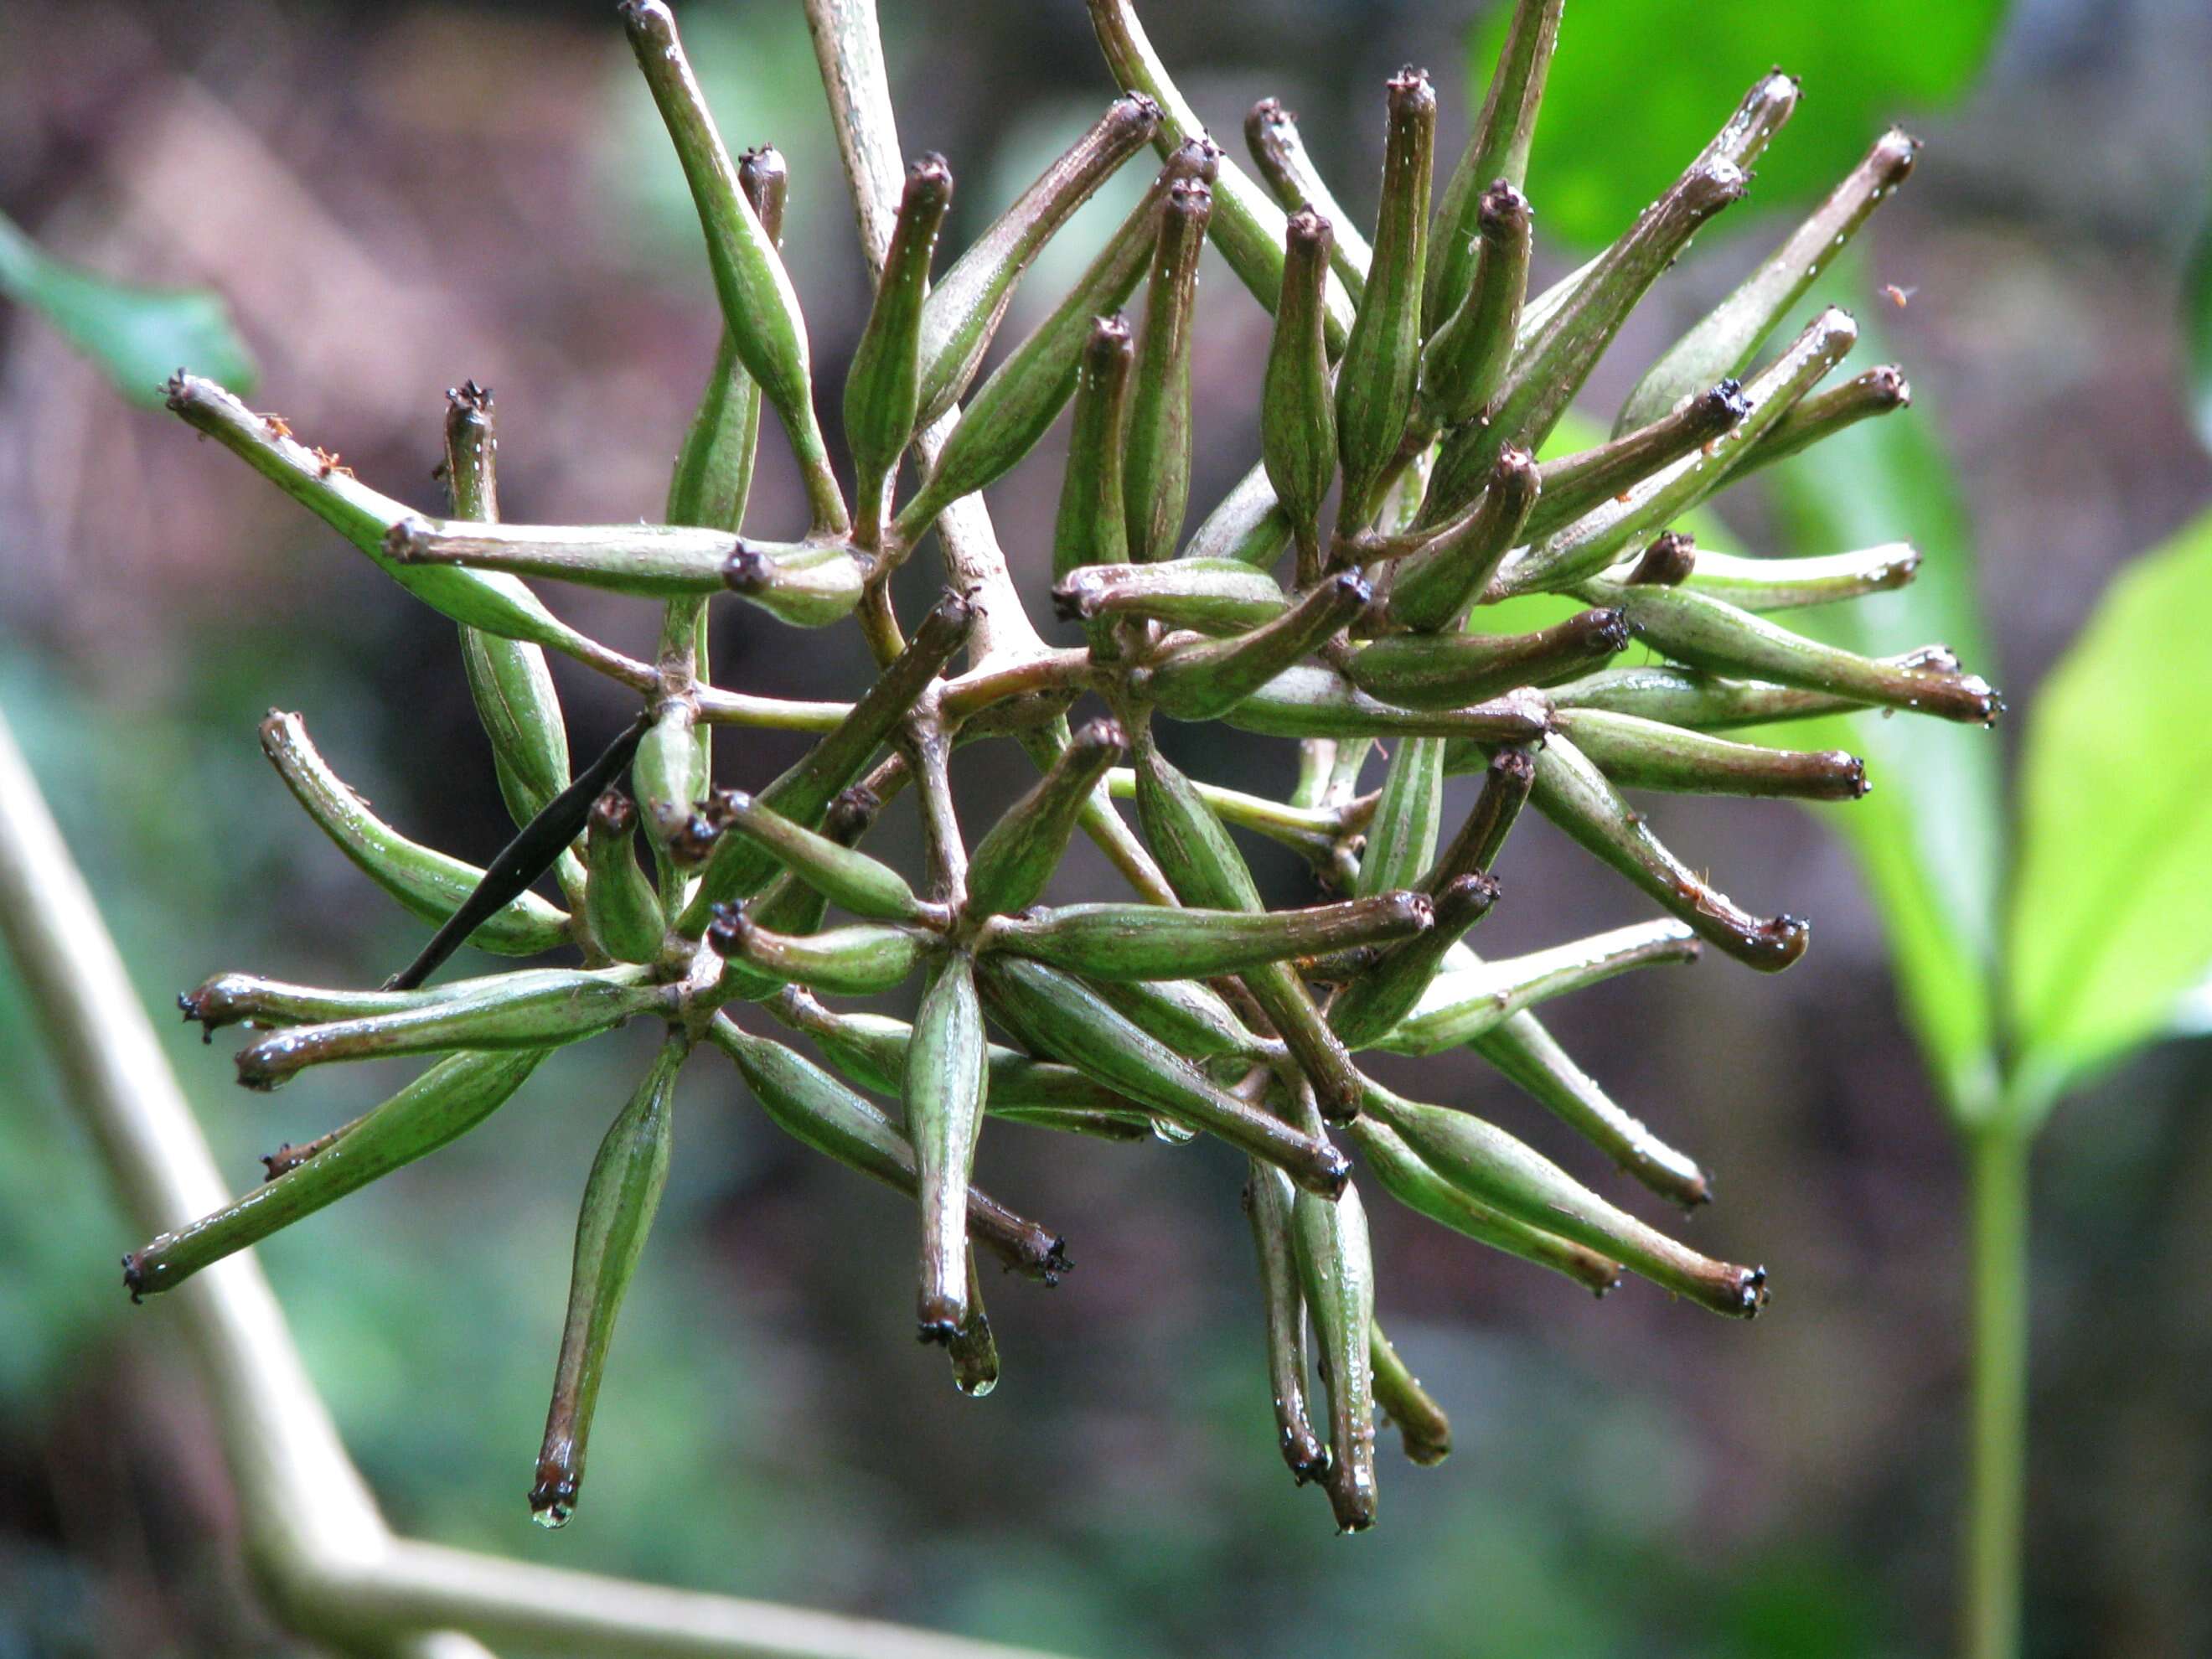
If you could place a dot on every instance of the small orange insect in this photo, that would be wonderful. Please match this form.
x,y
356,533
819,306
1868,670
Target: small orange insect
x,y
278,425
1896,296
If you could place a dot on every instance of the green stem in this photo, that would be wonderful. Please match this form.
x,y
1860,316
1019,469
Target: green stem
x,y
1998,1190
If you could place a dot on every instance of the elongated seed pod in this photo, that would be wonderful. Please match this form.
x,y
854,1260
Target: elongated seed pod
x,y
1377,1001
845,876
806,586
1338,1268
787,905
1641,753
1059,1015
945,1079
1268,1200
1090,528
229,999
964,309
1495,1169
883,388
1461,1004
1433,588
1383,356
620,906
1574,484
1505,785
1410,1179
496,603
1401,839
1670,561
1575,795
1724,341
1017,405
1011,864
714,473
1271,133
1880,390
429,884
1152,941
1497,150
533,852
1710,634
738,866
1762,585
620,1197
759,304
1205,679
649,560
1465,358
1297,406
857,961
444,1104
1156,445
811,1106
1189,1016
1423,1428
1691,697
1449,671
1209,596
1313,702
543,1013
663,773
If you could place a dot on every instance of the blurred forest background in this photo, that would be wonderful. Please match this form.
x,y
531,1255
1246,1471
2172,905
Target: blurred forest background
x,y
396,197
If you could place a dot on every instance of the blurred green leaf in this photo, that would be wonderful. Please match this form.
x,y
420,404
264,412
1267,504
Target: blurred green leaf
x,y
2112,921
138,335
1931,837
2196,330
1639,86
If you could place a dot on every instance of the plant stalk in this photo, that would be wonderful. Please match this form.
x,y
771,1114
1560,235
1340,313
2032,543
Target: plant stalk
x,y
1997,1195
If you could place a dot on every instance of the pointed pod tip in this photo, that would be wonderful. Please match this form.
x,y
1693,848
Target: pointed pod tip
x,y
1139,110
613,814
135,1277
1198,157
929,186
1465,898
1105,735
850,813
1775,944
1503,210
1309,231
1719,409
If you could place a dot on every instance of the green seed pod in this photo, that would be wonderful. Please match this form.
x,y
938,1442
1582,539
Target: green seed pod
x,y
1795,584
1724,341
1432,588
1011,864
621,1196
1059,1015
759,304
787,905
654,561
739,867
1462,1004
1209,596
811,1106
1505,785
1467,357
620,907
1297,406
1641,753
972,1348
1575,795
496,603
806,587
1338,1269
1375,1003
444,1104
1090,529
1576,484
1312,702
1422,1426
1207,870
1382,357
1152,941
1271,133
1880,390
1017,405
1204,679
1589,546
856,960
543,1013
229,999
1249,526
661,773
429,884
946,1080
1494,1169
1401,839
1497,150
883,388
963,311
1690,698
1709,634
1449,671
1189,1017
714,474
1155,444
846,877
1407,1177
1268,1198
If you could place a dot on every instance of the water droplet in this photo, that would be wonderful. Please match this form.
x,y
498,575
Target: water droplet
x,y
1174,1133
553,1517
976,1387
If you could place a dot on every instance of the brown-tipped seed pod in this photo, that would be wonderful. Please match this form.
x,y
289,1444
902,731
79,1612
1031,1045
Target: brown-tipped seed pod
x,y
1090,529
1297,407
1378,1000
1461,1005
848,878
856,960
1641,753
946,1081
1271,133
1433,587
1574,484
1423,1427
1208,596
1505,785
1881,390
1794,584
1156,443
1450,670
1338,1269
1011,864
1205,679
883,388
1465,358
620,907
1154,941
1268,1201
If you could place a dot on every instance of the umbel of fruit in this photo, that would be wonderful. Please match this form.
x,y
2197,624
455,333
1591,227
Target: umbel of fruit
x,y
1336,598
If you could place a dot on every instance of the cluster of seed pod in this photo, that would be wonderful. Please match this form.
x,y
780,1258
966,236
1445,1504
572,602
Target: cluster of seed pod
x,y
1411,379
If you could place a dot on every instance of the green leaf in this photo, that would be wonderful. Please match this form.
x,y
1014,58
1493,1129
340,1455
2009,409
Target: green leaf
x,y
1639,86
1931,837
2111,923
138,335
